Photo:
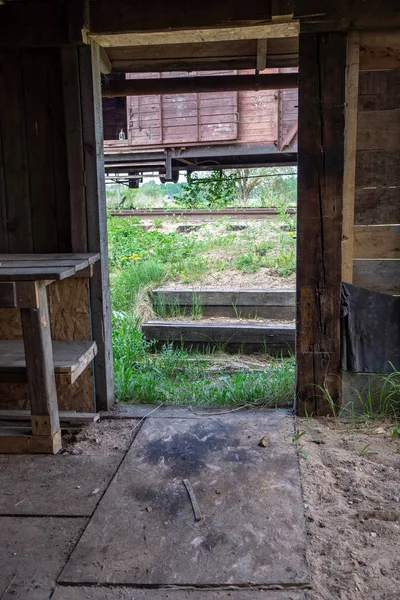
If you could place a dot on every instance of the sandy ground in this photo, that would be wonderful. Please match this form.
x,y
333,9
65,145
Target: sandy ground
x,y
351,493
229,320
263,279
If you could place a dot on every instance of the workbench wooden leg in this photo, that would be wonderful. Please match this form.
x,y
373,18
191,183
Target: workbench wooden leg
x,y
40,370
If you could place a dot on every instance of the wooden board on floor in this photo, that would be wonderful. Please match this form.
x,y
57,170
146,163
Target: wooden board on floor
x,y
32,553
100,593
144,531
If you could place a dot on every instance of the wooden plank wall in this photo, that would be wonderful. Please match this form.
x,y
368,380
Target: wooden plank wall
x,y
377,179
35,185
42,194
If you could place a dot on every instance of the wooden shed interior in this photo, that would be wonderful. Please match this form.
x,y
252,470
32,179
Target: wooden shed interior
x,y
52,192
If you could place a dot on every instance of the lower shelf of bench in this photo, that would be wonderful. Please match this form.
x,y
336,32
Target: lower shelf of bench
x,y
14,440
70,360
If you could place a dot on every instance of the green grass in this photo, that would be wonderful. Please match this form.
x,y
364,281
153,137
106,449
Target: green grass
x,y
210,249
142,260
174,376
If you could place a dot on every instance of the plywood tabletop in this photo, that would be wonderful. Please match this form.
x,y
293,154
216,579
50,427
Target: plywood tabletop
x,y
35,267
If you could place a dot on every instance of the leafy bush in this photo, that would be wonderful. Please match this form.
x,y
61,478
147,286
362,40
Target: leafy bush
x,y
216,189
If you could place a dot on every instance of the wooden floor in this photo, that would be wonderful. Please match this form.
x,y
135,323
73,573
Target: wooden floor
x,y
118,523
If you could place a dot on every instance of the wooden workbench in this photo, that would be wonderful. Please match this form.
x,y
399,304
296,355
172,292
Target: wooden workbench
x,y
23,281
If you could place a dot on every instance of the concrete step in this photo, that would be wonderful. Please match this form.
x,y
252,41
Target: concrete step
x,y
243,304
277,339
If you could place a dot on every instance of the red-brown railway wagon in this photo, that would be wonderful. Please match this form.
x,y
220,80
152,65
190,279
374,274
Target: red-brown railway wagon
x,y
169,132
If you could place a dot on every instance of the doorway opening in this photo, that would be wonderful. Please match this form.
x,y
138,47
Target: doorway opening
x,y
202,233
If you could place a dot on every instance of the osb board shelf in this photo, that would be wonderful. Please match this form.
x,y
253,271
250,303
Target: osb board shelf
x,y
70,359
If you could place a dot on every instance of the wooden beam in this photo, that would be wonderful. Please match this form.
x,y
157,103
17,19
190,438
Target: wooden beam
x,y
379,50
153,15
291,134
377,241
262,46
282,9
78,21
105,64
320,198
233,54
17,440
89,62
341,15
350,147
39,366
188,85
74,143
184,36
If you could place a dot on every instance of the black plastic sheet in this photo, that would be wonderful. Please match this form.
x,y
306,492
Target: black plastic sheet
x,y
370,330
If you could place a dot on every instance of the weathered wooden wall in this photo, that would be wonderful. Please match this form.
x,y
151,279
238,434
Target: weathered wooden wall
x,y
43,194
34,195
377,173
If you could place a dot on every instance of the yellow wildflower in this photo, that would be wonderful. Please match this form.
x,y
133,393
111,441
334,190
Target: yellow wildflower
x,y
290,232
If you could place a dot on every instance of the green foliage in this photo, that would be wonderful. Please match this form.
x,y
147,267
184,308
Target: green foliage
x,y
297,441
280,190
133,281
149,195
174,376
216,189
142,260
132,243
157,223
278,255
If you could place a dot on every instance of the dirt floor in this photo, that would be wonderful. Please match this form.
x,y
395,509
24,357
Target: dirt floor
x,y
350,479
351,491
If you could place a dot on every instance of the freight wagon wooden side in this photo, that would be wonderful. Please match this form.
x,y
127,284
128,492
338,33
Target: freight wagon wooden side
x,y
169,132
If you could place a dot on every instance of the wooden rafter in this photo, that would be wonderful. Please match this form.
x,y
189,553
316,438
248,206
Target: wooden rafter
x,y
255,32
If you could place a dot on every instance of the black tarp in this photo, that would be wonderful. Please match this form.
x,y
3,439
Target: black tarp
x,y
370,330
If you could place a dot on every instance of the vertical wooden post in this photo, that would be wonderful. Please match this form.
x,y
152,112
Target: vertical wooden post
x,y
350,147
39,365
90,82
322,70
75,158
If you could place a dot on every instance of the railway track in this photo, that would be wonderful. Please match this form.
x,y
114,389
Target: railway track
x,y
200,214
